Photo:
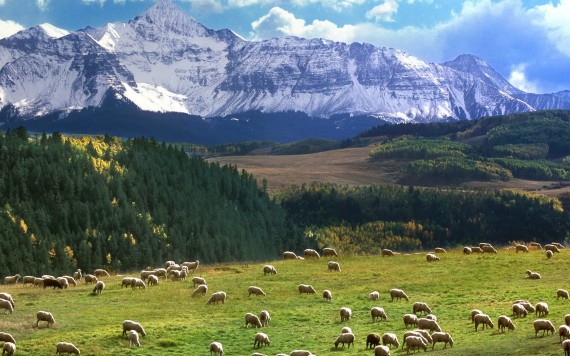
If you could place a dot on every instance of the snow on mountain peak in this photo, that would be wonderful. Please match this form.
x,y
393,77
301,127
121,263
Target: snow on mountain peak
x,y
164,16
52,31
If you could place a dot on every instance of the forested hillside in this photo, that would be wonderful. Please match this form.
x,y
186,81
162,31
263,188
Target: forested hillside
x,y
90,202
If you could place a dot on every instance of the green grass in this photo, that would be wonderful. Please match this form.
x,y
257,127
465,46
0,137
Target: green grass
x,y
177,324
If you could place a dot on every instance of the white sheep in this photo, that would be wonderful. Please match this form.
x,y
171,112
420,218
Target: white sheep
x,y
44,316
551,247
544,325
8,348
255,291
327,294
377,312
77,275
567,319
484,320
488,248
101,273
467,250
536,245
345,314
440,250
71,280
217,297
192,266
126,282
137,282
549,254
398,294
522,248
532,275
198,281
505,322
28,280
261,338
541,309
328,251
145,274
38,282
387,252
519,310
288,255
11,279
89,278
7,306
430,257
441,337
424,334
558,244
253,320
564,332
216,348
133,337
410,319
169,263
306,289
160,272
344,338
99,286
381,350
200,290
152,280
561,293
526,304
476,249
415,342
269,269
414,333
373,340
310,253
178,275
7,337
8,297
301,353
374,295
566,347
333,266
133,325
265,318
473,313
420,307
390,339
66,348
429,324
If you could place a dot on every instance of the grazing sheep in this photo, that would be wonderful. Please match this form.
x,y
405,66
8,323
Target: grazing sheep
x,y
8,348
390,339
532,275
269,269
200,290
419,307
217,297
7,338
483,319
567,319
387,252
310,253
398,294
564,332
415,333
345,338
549,254
70,280
133,325
174,267
558,244
261,338
327,251
377,312
333,266
424,334
372,340
152,280
561,293
415,342
161,272
178,275
99,286
440,250
441,337
544,325
255,291
77,275
168,264
89,278
467,250
133,337
257,354
126,282
429,324
137,282
522,248
536,245
374,295
410,319
526,304
346,330
198,281
28,280
301,353
483,244
345,314
38,282
8,297
44,316
192,266
216,348
566,347
505,322
66,348
519,310
306,289
7,306
488,249
265,318
476,249
11,279
381,350
551,247
145,274
101,273
48,282
253,320
431,317
541,309
327,294
430,257
288,255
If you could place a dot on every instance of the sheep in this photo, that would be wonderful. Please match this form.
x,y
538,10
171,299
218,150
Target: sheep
x,y
345,338
415,342
398,294
261,338
381,350
564,332
483,244
255,291
200,290
301,258
441,337
8,297
7,338
551,247
536,245
387,252
253,320
174,267
345,314
67,348
377,312
137,282
415,333
440,250
532,275
374,295
519,310
168,264
488,249
217,297
160,272
328,251
126,282
99,286
269,269
410,319
327,294
301,353
70,280
216,348
133,337
541,309
8,348
306,289
561,293
390,339
424,334
558,244
372,340
38,282
310,253
11,279
483,319
145,274
133,325
178,275
522,248
549,254
44,316
567,319
7,306
333,266
48,282
566,347
192,266
198,281
28,280
526,304
77,275
429,324
265,318
288,255
430,257
544,325
152,280
467,250
431,317
419,307
89,278
257,354
101,273
505,322
476,249
63,282
346,330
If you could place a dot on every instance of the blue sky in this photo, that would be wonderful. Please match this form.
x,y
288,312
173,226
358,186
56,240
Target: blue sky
x,y
527,41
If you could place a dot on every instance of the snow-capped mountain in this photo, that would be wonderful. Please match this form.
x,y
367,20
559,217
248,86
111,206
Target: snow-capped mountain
x,y
165,61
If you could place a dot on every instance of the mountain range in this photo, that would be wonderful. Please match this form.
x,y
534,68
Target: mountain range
x,y
166,75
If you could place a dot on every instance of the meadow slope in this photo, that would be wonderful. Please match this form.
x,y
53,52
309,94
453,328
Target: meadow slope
x,y
178,324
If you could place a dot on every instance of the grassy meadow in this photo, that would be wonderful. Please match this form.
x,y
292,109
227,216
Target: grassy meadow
x,y
178,324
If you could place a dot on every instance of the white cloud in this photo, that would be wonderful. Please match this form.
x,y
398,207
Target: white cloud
x,y
42,4
519,80
245,3
383,12
337,5
556,19
9,27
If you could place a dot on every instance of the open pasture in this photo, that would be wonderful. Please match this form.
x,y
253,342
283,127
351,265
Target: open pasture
x,y
178,324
